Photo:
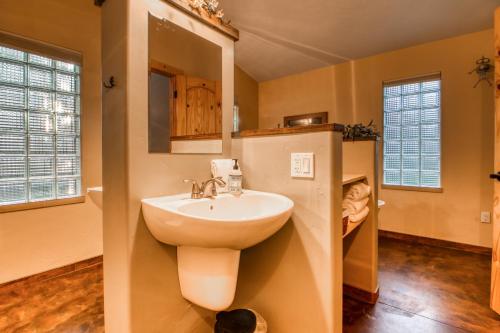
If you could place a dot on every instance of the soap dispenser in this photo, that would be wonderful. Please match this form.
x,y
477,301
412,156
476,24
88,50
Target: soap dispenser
x,y
235,179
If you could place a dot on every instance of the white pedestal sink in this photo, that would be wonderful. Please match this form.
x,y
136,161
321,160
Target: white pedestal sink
x,y
209,235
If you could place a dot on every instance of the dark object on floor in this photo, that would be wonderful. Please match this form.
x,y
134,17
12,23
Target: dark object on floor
x,y
236,321
356,131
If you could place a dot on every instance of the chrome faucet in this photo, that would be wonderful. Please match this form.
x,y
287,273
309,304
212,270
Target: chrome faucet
x,y
198,192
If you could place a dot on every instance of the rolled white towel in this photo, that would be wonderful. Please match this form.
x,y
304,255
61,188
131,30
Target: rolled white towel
x,y
355,218
354,206
358,191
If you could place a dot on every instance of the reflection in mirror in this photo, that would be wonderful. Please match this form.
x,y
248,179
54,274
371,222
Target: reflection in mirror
x,y
185,91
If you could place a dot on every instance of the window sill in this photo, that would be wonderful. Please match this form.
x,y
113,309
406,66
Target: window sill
x,y
41,204
413,188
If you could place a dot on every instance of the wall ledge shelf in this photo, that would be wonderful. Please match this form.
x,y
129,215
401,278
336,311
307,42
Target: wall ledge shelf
x,y
289,130
352,178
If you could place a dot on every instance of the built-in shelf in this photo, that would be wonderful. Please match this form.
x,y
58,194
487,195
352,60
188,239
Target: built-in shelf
x,y
351,226
352,178
346,180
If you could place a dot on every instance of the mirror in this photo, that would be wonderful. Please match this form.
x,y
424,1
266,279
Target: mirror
x,y
185,91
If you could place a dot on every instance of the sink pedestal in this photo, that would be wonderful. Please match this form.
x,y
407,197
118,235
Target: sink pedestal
x,y
209,235
208,276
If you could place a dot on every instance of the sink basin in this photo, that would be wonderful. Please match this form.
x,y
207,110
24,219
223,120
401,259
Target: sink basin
x,y
95,193
209,234
226,221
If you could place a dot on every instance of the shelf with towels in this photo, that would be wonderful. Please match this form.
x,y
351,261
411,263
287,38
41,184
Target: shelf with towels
x,y
351,226
348,181
352,178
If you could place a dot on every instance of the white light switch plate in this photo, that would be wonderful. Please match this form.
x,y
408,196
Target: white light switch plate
x,y
485,217
302,165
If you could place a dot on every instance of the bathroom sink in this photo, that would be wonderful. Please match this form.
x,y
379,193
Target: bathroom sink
x,y
95,193
209,234
226,221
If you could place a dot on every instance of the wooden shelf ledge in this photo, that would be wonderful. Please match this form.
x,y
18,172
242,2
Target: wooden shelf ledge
x,y
352,178
289,130
351,226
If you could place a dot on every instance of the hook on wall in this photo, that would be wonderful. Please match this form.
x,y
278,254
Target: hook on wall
x,y
110,83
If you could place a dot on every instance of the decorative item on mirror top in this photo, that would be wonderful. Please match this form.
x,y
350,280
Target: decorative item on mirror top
x,y
211,7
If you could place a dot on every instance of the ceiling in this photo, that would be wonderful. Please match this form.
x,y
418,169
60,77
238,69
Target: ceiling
x,y
283,37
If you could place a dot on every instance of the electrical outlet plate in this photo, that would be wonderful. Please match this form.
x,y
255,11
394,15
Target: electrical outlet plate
x,y
302,165
485,217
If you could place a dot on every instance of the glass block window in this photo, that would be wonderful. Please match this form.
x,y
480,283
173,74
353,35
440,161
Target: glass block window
x,y
412,132
39,128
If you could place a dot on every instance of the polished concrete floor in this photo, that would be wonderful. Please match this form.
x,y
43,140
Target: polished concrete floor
x,y
69,303
426,289
422,289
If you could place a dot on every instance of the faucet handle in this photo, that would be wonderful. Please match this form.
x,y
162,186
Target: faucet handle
x,y
195,189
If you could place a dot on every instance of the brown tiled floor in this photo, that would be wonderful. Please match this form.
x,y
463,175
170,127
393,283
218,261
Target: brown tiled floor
x,y
422,289
71,303
426,289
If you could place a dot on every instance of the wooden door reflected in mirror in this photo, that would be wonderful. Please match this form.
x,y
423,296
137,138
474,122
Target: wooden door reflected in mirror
x,y
185,91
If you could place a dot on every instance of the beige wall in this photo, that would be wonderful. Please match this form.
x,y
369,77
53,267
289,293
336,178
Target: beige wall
x,y
294,278
141,283
246,94
467,138
351,92
38,240
296,94
327,89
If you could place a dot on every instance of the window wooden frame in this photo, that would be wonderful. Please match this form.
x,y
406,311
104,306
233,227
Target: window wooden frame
x,y
41,204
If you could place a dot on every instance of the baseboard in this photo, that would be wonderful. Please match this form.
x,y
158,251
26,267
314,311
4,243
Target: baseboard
x,y
357,272
360,294
435,242
53,273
